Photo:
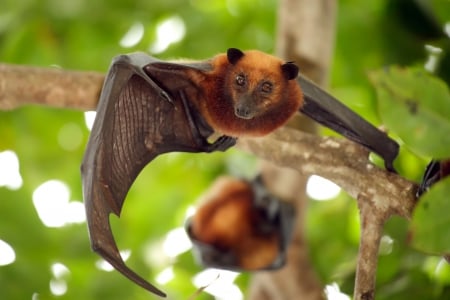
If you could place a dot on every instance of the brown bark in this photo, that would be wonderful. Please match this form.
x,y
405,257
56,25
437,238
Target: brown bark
x,y
22,85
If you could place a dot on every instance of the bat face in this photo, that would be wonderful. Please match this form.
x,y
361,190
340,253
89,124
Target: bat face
x,y
239,93
241,227
257,84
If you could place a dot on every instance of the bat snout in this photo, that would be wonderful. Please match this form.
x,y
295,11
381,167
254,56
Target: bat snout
x,y
244,108
243,113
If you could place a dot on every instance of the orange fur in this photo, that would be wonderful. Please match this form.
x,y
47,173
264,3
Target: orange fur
x,y
225,204
228,221
216,104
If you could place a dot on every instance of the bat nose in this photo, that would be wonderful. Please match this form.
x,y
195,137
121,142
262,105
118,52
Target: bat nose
x,y
243,109
243,113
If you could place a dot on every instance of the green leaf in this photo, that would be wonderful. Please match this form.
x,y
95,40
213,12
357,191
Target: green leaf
x,y
416,106
431,220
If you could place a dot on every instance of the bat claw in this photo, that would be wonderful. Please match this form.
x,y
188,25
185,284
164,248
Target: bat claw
x,y
166,96
223,143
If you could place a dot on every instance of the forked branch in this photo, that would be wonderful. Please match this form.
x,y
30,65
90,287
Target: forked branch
x,y
380,194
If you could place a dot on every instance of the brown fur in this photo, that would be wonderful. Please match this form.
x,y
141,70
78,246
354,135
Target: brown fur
x,y
216,105
228,221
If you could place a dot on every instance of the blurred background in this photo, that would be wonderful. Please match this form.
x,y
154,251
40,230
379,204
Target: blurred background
x,y
44,246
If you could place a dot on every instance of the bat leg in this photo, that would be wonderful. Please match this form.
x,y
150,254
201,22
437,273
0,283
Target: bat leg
x,y
223,143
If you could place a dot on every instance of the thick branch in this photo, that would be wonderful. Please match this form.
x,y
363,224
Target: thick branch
x,y
22,85
340,161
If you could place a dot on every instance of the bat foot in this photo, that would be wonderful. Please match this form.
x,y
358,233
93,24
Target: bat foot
x,y
431,176
390,166
223,143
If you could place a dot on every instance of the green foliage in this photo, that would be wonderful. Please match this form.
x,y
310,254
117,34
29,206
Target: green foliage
x,y
49,143
430,223
416,106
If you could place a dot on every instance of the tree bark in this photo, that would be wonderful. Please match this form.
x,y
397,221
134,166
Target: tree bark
x,y
22,85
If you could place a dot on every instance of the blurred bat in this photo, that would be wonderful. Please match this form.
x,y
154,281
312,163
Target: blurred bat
x,y
241,226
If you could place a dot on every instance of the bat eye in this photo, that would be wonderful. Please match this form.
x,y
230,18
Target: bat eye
x,y
267,87
240,80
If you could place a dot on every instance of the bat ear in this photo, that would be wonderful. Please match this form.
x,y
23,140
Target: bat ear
x,y
234,55
289,70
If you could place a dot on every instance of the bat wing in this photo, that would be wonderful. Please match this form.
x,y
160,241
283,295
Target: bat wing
x,y
328,111
281,214
136,121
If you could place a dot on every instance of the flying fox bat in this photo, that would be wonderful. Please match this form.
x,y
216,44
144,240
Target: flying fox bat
x,y
149,107
241,226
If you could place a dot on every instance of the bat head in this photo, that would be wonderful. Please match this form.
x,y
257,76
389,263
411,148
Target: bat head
x,y
253,93
258,82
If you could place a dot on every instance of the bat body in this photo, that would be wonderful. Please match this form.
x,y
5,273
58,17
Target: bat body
x,y
148,107
241,226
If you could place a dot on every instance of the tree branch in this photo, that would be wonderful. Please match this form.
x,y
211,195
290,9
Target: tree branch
x,y
341,161
371,225
22,85
380,194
